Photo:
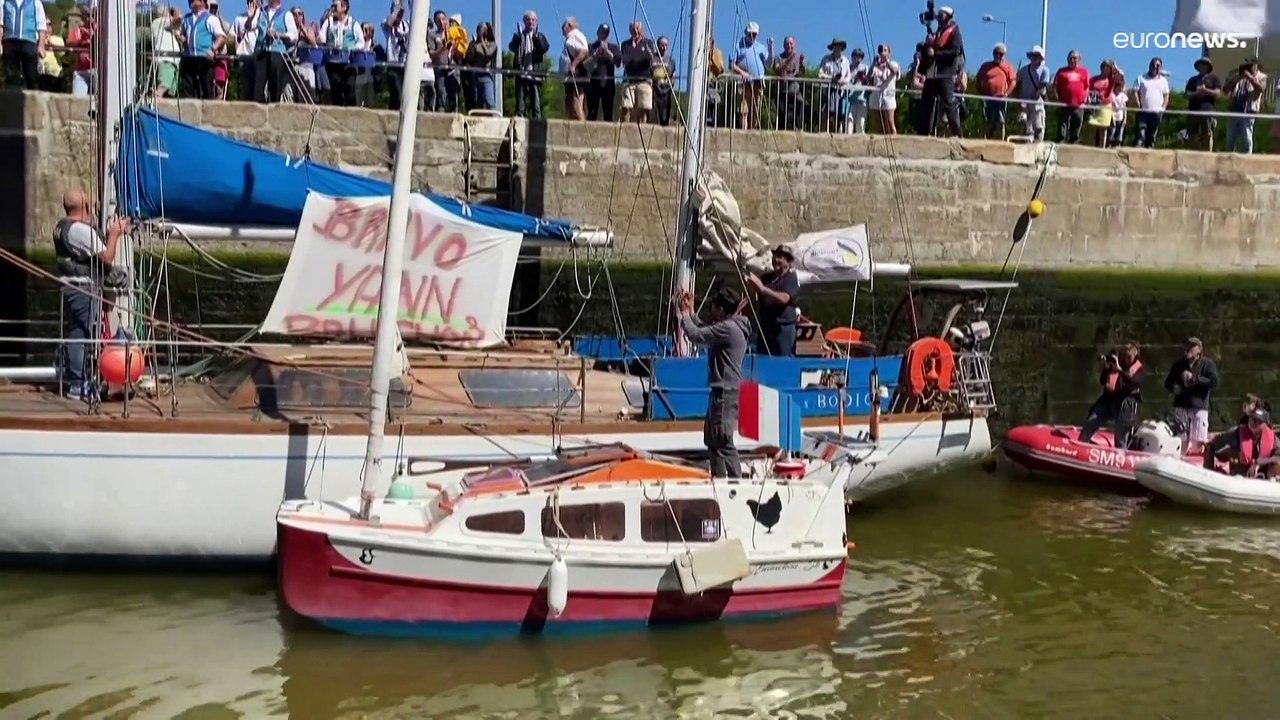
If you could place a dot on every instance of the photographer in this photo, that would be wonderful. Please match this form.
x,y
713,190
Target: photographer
x,y
1121,398
1244,90
943,58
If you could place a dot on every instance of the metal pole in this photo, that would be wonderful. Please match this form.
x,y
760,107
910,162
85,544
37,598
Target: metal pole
x,y
1004,31
501,79
385,352
1044,27
117,83
695,127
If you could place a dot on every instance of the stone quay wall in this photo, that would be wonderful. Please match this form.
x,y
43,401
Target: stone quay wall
x,y
1175,210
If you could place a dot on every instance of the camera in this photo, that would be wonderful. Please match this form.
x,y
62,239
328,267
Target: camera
x,y
929,14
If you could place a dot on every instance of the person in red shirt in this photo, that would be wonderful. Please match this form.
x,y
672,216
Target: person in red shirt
x,y
1102,90
81,38
996,81
1071,84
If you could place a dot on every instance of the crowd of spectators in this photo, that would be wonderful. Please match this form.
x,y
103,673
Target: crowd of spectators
x,y
269,53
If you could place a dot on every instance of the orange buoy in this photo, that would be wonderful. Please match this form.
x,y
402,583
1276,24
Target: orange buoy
x,y
121,366
930,363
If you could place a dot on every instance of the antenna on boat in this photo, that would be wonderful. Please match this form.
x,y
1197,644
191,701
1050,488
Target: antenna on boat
x,y
384,347
694,128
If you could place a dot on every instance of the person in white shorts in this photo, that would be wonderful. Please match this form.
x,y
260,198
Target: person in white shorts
x,y
1191,381
1031,86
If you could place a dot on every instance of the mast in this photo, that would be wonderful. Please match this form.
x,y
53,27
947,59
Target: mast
x,y
695,127
117,63
384,347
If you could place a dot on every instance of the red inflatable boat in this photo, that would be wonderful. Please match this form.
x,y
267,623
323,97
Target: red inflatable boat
x,y
1057,449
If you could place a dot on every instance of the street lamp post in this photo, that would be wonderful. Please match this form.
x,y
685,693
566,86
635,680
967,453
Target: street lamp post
x,y
1044,25
1004,27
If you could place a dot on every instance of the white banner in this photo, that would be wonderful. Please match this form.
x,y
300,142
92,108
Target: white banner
x,y
454,290
840,255
1247,18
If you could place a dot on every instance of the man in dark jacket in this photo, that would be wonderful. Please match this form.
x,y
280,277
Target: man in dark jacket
x,y
1250,449
605,58
529,46
726,341
943,59
777,293
1121,399
1191,381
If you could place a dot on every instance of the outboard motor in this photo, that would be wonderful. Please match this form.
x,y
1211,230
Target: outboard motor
x,y
1155,437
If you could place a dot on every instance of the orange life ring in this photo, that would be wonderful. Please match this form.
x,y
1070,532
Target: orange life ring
x,y
930,363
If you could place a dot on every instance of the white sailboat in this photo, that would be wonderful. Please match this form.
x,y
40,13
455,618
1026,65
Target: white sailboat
x,y
198,472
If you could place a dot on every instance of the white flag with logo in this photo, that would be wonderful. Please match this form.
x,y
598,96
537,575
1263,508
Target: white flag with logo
x,y
840,255
1247,18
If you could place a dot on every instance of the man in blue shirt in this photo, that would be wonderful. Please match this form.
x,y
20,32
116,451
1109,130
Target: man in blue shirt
x,y
749,63
24,29
203,38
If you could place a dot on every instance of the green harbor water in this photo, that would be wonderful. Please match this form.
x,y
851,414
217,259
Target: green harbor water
x,y
969,595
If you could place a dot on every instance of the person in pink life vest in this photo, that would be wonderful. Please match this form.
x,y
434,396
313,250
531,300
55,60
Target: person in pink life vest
x,y
1250,448
1121,398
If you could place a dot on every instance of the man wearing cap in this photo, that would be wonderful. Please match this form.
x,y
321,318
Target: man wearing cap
x,y
996,79
942,62
776,294
1032,86
1191,381
605,58
1244,88
1250,449
749,63
836,71
1203,91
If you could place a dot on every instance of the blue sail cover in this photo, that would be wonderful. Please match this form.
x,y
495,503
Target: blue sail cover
x,y
168,169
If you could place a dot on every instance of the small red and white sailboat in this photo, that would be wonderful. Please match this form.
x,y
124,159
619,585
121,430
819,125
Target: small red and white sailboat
x,y
605,537
1057,449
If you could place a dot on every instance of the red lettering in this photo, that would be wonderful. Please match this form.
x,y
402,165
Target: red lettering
x,y
448,254
342,223
427,301
451,252
373,236
343,283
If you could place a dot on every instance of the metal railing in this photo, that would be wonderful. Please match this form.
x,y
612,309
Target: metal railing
x,y
801,104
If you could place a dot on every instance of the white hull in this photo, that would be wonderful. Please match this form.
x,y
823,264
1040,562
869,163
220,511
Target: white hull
x,y
149,495
1189,484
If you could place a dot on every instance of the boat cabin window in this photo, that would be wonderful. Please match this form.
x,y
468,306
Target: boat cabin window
x,y
592,521
547,389
681,520
510,522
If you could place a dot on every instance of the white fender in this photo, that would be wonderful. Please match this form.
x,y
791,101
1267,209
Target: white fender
x,y
558,587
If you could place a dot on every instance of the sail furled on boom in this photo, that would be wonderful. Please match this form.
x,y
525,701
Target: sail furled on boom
x,y
169,170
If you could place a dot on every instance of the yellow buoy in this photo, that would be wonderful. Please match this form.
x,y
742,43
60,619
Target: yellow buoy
x,y
1035,208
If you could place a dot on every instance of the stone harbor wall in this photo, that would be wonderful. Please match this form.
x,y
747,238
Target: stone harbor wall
x,y
956,200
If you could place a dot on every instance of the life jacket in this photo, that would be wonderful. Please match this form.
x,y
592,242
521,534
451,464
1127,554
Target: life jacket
x,y
72,263
1266,445
199,37
278,20
942,39
22,20
1113,378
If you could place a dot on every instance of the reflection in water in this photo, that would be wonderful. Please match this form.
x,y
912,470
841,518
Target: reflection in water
x,y
966,597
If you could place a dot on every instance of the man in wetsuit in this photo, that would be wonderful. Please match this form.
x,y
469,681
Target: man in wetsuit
x,y
726,340
776,293
1121,398
1249,448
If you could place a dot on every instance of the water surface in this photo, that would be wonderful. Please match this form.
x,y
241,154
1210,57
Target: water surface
x,y
970,596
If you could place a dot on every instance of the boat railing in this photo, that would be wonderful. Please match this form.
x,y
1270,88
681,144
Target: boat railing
x,y
973,380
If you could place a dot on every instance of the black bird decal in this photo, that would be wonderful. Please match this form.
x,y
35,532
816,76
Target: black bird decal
x,y
767,514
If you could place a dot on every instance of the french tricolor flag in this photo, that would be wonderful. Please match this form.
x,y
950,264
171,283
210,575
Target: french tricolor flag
x,y
769,417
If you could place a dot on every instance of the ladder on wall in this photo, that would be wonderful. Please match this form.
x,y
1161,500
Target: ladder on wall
x,y
489,158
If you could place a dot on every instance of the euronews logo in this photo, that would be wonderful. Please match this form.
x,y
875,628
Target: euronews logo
x,y
1179,40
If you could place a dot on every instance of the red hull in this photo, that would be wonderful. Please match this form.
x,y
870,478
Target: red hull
x,y
319,583
1056,449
